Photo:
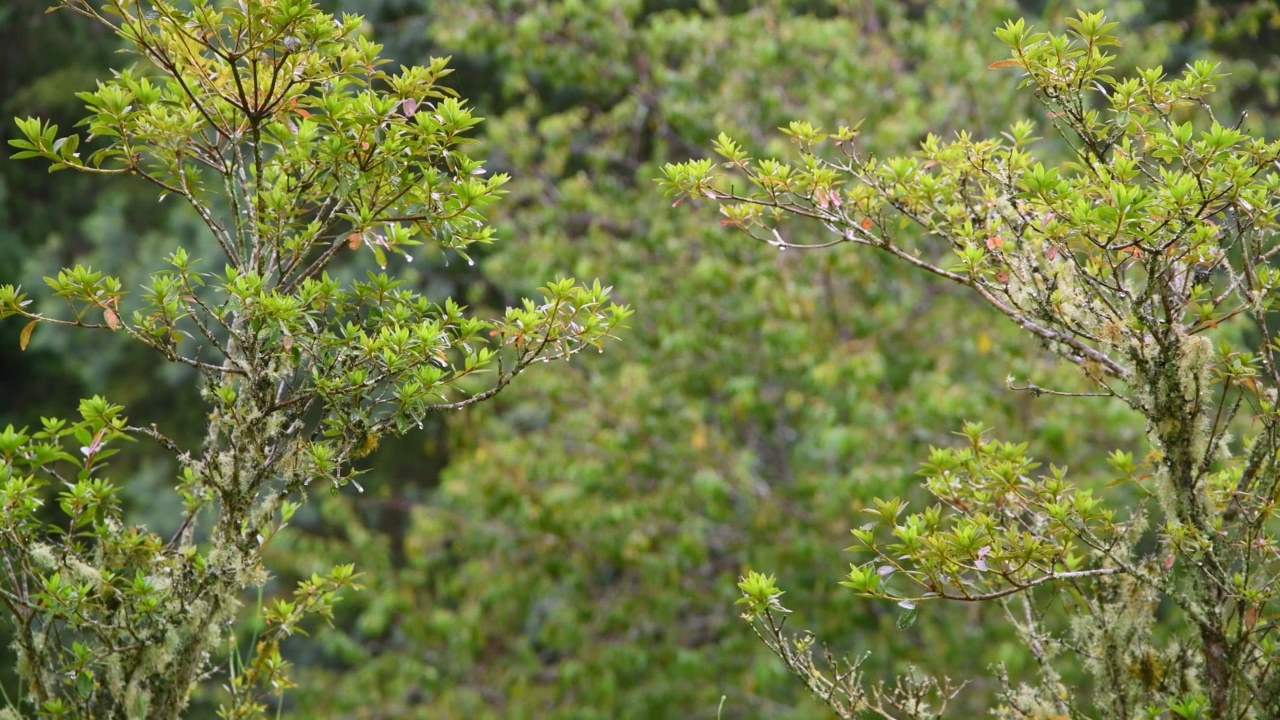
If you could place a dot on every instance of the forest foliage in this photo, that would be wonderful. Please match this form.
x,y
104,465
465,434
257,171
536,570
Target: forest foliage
x,y
573,547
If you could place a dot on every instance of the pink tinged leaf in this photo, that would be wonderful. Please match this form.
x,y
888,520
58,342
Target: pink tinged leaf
x,y
92,448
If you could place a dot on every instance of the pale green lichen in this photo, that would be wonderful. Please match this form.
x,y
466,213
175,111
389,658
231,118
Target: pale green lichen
x,y
42,556
1118,632
1028,703
113,674
21,661
1194,366
137,701
80,571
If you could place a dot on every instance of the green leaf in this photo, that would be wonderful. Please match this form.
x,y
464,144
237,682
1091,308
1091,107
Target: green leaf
x,y
907,617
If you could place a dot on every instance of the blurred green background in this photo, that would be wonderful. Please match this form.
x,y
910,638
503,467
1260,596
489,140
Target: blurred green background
x,y
570,550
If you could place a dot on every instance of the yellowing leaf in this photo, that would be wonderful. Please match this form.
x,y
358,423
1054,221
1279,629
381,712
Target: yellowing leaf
x,y
984,344
698,439
1003,64
24,337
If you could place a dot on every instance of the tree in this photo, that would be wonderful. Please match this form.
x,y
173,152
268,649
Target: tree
x,y
1144,260
274,122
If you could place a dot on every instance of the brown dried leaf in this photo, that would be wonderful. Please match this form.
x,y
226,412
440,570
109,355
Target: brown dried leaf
x,y
24,337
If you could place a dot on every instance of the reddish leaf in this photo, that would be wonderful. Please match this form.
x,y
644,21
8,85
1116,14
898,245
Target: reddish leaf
x,y
113,320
